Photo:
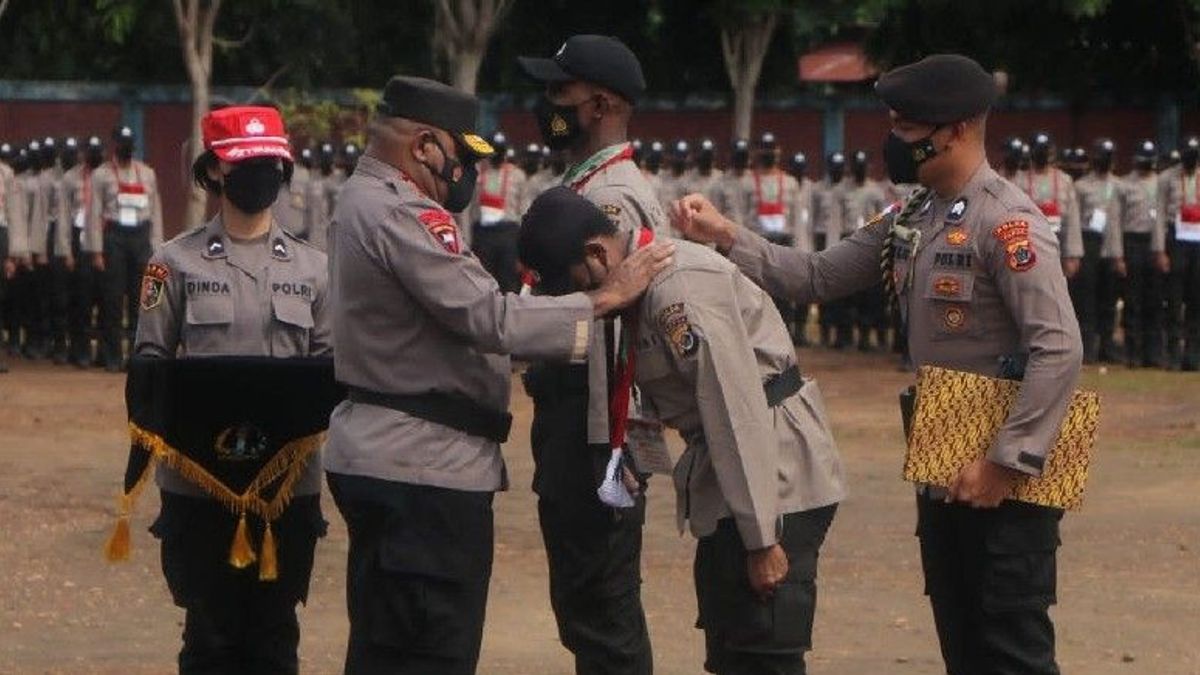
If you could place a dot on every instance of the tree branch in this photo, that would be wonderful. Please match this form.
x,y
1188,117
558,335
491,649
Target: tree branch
x,y
3,7
450,28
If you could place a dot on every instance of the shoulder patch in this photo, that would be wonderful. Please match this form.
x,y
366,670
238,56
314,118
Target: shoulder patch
x,y
673,322
154,282
1014,236
441,225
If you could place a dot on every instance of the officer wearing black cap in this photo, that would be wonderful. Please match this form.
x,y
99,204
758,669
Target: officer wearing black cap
x,y
675,182
1141,246
1054,192
126,203
422,334
593,547
495,215
13,238
975,269
87,245
537,177
1094,289
735,183
1180,209
835,319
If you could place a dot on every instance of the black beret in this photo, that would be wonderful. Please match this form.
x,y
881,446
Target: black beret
x,y
554,230
938,89
598,59
438,105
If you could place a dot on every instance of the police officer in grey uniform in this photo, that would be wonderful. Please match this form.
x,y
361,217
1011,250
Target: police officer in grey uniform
x,y
87,245
423,336
1179,208
761,477
1141,248
732,199
862,198
65,259
1094,289
239,285
836,317
13,236
983,292
593,549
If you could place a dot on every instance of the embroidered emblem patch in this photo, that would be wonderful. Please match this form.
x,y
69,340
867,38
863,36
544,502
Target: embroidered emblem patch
x,y
947,286
1019,253
956,237
154,283
673,322
441,225
954,319
957,210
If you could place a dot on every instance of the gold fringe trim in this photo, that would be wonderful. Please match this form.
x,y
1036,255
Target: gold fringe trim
x,y
288,464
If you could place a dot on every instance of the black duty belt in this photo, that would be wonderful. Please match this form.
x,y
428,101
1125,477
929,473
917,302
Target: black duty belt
x,y
456,412
782,386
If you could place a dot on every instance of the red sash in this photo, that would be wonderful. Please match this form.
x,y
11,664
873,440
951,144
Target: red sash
x,y
1189,212
494,200
769,208
618,396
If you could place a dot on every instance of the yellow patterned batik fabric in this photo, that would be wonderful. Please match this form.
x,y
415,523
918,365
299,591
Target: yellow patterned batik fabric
x,y
957,418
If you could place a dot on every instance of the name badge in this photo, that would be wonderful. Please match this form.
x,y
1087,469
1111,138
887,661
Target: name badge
x,y
1098,221
490,215
79,219
774,223
129,208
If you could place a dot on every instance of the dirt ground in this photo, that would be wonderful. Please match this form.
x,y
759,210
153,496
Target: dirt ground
x,y
1129,571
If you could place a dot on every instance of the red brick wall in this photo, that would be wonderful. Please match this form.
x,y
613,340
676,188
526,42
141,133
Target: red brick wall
x,y
167,127
22,121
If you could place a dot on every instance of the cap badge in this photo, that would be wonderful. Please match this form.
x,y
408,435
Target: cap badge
x,y
255,127
560,51
558,126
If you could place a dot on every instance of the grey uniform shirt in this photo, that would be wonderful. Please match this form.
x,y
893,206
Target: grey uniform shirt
x,y
828,219
36,223
106,207
733,196
860,202
414,312
77,183
771,200
802,215
13,213
1178,188
222,299
1053,192
707,184
1140,211
707,340
291,207
1100,210
623,192
982,287
57,212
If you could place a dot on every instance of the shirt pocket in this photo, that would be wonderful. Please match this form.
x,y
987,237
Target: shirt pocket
x,y
293,321
207,320
949,297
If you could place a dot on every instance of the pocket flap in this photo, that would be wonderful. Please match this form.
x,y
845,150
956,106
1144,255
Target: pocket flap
x,y
293,311
209,311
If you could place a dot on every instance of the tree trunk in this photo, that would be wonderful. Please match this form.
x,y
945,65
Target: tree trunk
x,y
462,30
197,199
465,70
196,20
744,46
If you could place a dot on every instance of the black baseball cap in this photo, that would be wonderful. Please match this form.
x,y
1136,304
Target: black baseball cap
x,y
938,89
439,105
598,59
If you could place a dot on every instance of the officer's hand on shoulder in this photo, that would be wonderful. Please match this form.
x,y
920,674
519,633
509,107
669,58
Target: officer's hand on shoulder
x,y
626,283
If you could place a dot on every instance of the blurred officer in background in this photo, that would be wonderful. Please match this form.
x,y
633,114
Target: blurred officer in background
x,y
1094,289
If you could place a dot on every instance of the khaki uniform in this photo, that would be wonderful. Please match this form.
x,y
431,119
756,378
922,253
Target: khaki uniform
x,y
1100,210
624,193
105,209
319,207
708,184
1053,192
707,340
216,297
57,213
13,212
414,313
1141,214
77,183
36,223
974,291
673,187
733,194
828,220
771,201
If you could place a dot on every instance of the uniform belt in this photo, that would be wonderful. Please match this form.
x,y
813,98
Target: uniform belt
x,y
456,412
1137,236
114,225
782,386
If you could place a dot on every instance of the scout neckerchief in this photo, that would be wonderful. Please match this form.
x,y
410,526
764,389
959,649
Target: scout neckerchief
x,y
132,198
578,175
612,491
1049,202
769,200
492,197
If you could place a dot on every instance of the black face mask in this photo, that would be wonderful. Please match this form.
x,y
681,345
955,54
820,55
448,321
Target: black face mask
x,y
125,152
1102,164
740,161
530,167
1040,158
95,157
836,172
767,160
252,186
705,163
653,165
559,124
860,173
903,159
459,192
69,159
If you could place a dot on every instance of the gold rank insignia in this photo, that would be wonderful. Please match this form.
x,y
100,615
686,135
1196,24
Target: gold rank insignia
x,y
478,145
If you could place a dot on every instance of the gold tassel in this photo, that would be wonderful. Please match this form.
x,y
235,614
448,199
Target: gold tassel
x,y
241,554
117,549
268,564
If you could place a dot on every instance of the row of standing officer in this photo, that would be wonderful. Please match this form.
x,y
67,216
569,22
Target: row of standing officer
x,y
1130,238
78,236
